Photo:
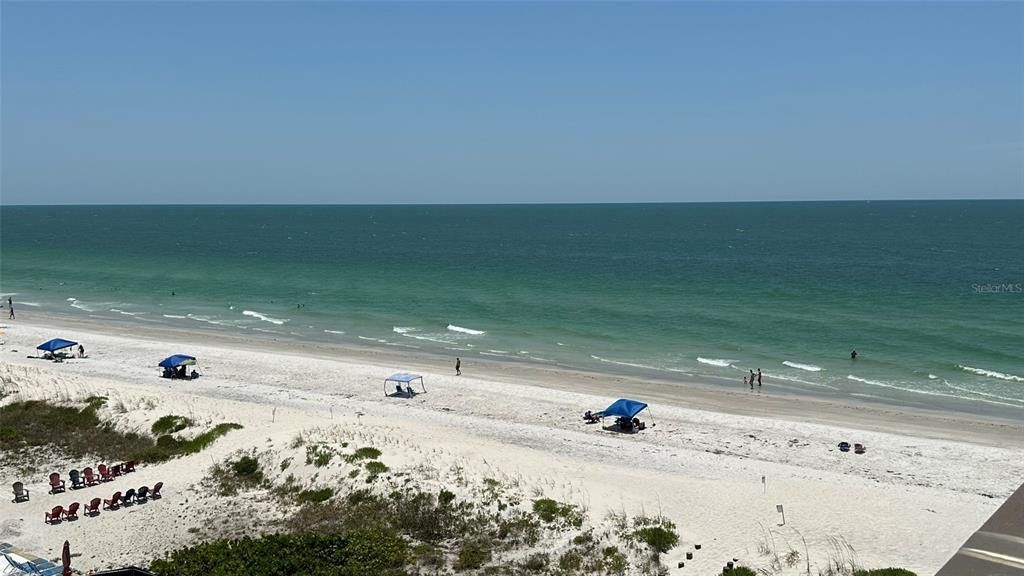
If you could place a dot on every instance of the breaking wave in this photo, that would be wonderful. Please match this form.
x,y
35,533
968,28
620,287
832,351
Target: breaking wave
x,y
808,367
263,317
455,328
991,373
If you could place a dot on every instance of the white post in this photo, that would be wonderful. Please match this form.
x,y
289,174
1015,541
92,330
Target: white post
x,y
783,512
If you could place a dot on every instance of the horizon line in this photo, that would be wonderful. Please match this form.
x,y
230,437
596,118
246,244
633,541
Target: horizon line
x,y
581,203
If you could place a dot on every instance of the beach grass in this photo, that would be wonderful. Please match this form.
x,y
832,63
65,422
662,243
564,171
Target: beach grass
x,y
79,432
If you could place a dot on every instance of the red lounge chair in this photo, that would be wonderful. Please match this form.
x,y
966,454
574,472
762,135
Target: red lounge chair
x,y
54,515
115,470
128,466
154,494
56,484
90,478
114,501
104,473
93,507
72,512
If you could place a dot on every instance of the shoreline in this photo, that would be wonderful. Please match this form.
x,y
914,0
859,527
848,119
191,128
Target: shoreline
x,y
689,393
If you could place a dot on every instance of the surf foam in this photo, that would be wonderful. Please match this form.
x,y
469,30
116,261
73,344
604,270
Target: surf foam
x,y
714,362
991,373
807,367
928,392
470,331
264,317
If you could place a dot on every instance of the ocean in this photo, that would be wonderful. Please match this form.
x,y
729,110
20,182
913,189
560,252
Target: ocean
x,y
929,293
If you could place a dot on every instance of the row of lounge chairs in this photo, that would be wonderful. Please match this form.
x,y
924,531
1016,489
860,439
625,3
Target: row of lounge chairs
x,y
87,477
116,501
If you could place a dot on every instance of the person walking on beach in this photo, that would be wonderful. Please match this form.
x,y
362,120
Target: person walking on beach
x,y
10,304
758,377
458,366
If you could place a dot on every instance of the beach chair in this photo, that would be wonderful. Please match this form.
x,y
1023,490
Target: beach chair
x,y
93,507
53,516
154,494
104,473
114,502
20,493
76,480
129,497
56,484
72,512
90,478
142,494
859,449
115,470
128,466
844,446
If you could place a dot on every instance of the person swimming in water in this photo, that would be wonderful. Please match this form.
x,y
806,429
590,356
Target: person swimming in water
x,y
853,355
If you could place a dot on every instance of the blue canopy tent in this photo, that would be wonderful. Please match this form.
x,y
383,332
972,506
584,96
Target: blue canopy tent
x,y
399,378
624,411
625,408
174,366
177,360
56,344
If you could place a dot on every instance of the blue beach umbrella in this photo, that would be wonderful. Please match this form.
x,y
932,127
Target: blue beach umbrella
x,y
56,344
177,360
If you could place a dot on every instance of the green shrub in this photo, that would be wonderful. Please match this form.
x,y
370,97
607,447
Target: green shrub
x,y
321,495
235,475
536,562
246,467
170,424
367,551
367,453
375,467
884,572
474,553
318,455
570,561
658,538
614,561
740,571
551,510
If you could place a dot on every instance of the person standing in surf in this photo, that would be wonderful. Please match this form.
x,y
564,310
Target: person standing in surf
x,y
758,377
853,355
458,366
10,304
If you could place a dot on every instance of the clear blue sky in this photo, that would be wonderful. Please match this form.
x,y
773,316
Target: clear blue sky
x,y
195,102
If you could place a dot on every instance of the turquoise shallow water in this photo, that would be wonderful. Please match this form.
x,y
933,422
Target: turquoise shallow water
x,y
929,293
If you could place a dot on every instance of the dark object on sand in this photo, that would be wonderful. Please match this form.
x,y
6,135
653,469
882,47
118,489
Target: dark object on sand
x,y
20,493
844,446
592,417
859,449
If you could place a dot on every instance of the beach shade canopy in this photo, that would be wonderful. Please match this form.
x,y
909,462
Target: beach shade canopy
x,y
177,360
56,344
403,378
625,408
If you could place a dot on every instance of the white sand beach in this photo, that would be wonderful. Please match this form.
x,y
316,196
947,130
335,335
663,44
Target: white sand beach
x,y
927,481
